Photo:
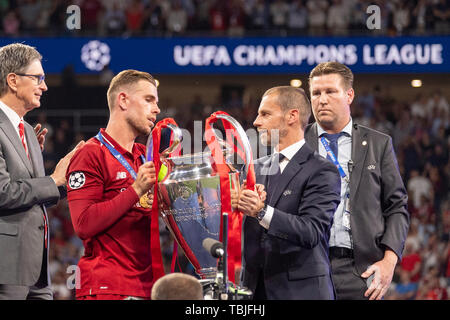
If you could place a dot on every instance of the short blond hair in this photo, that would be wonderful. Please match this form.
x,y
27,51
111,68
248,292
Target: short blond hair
x,y
333,67
126,78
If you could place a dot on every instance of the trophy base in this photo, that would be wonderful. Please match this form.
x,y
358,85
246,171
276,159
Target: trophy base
x,y
207,273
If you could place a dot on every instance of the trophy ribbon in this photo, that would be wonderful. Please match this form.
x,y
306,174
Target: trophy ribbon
x,y
235,225
153,145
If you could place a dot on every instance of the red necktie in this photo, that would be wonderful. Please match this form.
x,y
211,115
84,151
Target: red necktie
x,y
22,137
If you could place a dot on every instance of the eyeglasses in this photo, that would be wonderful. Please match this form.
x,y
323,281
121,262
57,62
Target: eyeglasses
x,y
38,77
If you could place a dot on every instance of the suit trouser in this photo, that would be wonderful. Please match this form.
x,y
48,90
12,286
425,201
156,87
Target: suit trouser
x,y
13,292
349,285
35,292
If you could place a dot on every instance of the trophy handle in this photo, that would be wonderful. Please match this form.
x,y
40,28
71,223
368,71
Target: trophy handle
x,y
177,139
242,135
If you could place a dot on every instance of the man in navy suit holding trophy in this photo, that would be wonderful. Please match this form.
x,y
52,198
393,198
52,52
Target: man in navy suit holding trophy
x,y
285,239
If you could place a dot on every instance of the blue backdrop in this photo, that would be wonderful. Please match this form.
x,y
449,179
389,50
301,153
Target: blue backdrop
x,y
243,55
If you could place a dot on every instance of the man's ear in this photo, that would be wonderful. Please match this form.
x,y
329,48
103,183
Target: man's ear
x,y
122,100
350,96
11,80
292,116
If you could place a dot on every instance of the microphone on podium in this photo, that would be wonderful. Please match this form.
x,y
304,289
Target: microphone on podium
x,y
214,247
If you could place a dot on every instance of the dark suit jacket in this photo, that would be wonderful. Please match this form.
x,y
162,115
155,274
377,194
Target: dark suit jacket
x,y
25,190
378,198
293,252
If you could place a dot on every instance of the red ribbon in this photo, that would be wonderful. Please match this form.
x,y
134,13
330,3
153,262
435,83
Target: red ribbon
x,y
235,222
157,263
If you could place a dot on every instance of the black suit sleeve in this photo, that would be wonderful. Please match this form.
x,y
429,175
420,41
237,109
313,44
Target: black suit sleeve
x,y
318,202
394,200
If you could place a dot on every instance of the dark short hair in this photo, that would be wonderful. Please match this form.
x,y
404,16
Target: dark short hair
x,y
333,67
292,98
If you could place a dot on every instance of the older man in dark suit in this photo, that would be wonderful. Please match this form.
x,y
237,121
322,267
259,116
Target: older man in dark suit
x,y
371,222
285,248
25,190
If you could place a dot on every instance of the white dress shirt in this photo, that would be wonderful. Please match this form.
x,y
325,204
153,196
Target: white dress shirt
x,y
288,154
339,235
13,117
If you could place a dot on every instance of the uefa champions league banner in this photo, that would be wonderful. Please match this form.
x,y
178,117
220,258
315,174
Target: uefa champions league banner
x,y
243,55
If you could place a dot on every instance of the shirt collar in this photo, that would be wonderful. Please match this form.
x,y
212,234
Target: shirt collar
x,y
347,129
289,152
11,114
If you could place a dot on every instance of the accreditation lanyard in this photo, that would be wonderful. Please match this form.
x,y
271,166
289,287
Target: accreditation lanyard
x,y
333,158
118,155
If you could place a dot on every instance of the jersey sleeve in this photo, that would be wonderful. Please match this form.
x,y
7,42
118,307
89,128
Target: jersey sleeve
x,y
91,214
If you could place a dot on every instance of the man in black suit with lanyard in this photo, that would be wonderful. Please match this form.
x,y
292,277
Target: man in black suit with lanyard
x,y
285,239
371,222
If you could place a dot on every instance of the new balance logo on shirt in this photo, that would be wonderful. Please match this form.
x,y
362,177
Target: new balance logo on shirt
x,y
121,175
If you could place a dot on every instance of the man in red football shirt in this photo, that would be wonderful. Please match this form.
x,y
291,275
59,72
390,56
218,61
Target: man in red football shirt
x,y
107,179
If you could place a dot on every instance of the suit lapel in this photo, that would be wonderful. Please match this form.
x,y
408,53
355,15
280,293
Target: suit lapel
x,y
291,170
359,152
11,133
34,151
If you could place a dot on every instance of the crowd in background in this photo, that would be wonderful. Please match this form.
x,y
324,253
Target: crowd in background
x,y
420,130
218,17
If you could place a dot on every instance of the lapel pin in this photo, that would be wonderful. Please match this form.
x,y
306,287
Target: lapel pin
x,y
287,192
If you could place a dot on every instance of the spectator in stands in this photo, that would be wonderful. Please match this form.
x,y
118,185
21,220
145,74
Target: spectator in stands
x,y
317,14
11,23
279,10
439,102
405,289
419,106
29,13
91,11
177,18
419,185
441,16
338,18
154,16
58,15
218,17
258,14
401,18
114,20
411,153
135,14
420,16
411,262
236,19
431,254
297,16
430,288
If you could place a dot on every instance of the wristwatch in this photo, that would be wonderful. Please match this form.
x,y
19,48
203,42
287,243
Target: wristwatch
x,y
261,214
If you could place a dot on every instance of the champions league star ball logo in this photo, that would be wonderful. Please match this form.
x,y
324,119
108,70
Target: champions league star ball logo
x,y
76,180
95,55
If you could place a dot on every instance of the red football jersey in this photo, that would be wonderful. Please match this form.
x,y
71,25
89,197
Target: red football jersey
x,y
107,216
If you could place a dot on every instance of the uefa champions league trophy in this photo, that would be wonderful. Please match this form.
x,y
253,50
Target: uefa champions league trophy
x,y
194,193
